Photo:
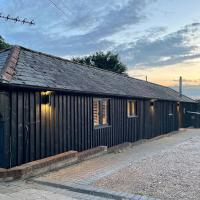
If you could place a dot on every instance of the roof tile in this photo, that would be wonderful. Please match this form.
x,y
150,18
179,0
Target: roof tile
x,y
37,69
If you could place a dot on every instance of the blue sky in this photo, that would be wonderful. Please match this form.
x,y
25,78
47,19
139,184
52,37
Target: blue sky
x,y
157,38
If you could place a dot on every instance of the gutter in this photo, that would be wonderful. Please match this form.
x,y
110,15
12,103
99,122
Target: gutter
x,y
43,88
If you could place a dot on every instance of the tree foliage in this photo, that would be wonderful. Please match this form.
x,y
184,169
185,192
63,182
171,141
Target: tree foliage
x,y
3,44
108,61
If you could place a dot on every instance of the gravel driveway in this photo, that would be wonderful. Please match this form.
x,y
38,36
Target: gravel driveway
x,y
164,168
170,173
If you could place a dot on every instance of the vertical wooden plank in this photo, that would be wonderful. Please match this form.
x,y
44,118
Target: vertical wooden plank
x,y
65,123
122,120
38,125
47,130
119,124
2,125
79,119
83,124
69,117
147,120
7,128
56,125
5,112
112,141
14,137
89,131
75,123
60,114
90,122
86,132
140,115
26,127
125,120
113,123
43,130
20,117
72,105
117,121
52,124
32,127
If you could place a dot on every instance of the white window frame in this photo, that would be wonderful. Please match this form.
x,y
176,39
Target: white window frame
x,y
101,122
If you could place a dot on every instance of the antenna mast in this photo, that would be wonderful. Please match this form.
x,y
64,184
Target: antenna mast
x,y
17,19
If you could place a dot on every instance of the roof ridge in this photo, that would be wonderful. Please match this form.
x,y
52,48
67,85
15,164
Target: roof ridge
x,y
9,69
65,59
6,49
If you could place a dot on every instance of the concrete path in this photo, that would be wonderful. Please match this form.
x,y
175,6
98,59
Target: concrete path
x,y
102,177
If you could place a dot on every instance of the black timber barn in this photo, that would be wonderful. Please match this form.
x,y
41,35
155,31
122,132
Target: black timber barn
x,y
49,105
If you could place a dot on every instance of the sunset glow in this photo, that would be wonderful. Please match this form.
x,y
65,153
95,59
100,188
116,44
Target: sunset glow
x,y
169,75
155,38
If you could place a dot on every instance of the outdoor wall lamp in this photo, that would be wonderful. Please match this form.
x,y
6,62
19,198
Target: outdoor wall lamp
x,y
152,102
178,106
152,105
45,97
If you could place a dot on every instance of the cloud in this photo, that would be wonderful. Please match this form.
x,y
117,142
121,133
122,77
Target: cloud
x,y
82,30
190,90
110,23
169,75
172,48
189,82
90,25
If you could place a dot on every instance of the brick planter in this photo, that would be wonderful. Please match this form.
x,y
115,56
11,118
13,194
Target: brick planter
x,y
39,166
119,147
91,153
48,164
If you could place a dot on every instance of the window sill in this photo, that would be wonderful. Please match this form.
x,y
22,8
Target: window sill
x,y
134,116
102,126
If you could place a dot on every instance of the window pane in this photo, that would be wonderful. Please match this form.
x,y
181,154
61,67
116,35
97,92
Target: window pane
x,y
105,112
96,112
133,108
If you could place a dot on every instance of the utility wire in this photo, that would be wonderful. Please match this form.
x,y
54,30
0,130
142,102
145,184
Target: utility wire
x,y
62,11
17,19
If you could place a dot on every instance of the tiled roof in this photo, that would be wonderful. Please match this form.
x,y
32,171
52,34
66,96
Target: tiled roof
x,y
42,70
3,57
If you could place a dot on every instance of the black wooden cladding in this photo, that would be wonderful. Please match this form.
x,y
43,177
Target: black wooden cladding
x,y
196,120
34,130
